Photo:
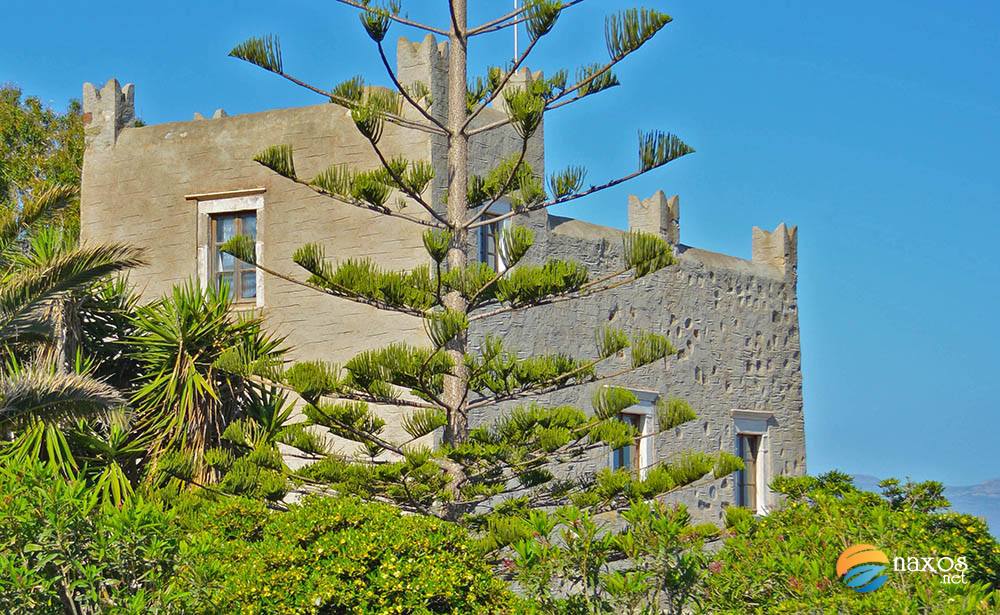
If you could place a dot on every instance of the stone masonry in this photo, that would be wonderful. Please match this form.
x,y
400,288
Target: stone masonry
x,y
735,321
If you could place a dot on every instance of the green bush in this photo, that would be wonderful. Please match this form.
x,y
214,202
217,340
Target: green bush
x,y
785,562
332,555
60,551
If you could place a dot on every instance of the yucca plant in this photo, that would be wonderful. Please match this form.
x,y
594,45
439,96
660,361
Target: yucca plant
x,y
188,346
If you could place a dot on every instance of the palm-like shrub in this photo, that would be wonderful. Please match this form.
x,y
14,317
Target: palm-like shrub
x,y
193,353
42,383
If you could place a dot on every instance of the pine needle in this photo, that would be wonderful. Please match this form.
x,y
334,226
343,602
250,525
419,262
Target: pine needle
x,y
265,52
657,148
629,29
279,159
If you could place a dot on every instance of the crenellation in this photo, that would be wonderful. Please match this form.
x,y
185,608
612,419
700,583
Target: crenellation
x,y
658,215
106,112
777,248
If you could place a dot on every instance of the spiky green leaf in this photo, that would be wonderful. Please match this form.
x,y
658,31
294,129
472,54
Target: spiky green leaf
x,y
648,347
645,253
566,182
279,159
673,412
242,247
609,401
630,29
423,421
437,242
595,78
265,52
541,16
610,341
657,148
442,325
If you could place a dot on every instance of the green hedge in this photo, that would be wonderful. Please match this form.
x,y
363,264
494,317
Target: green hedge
x,y
334,555
325,555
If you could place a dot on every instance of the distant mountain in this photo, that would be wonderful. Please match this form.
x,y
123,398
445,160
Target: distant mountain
x,y
982,500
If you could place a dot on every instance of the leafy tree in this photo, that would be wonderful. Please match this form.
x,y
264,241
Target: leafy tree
x,y
46,386
63,552
39,148
785,562
440,384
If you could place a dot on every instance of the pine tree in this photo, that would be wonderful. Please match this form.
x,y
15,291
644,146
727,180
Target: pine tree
x,y
441,383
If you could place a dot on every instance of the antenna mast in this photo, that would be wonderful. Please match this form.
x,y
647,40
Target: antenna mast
x,y
517,5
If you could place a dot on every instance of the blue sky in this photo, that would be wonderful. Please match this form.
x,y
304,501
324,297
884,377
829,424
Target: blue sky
x,y
871,125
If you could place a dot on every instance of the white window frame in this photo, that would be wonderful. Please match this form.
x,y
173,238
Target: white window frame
x,y
498,209
756,423
646,408
210,204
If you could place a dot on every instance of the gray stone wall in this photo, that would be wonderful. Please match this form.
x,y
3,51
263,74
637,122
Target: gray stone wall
x,y
735,323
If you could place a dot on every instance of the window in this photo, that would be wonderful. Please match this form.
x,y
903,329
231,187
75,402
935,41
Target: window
x,y
240,277
751,430
747,449
489,244
638,456
221,216
627,457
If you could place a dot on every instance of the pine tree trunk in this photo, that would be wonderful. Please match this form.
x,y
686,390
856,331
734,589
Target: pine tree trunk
x,y
456,385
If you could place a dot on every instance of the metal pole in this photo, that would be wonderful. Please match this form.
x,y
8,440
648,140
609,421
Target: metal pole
x,y
517,5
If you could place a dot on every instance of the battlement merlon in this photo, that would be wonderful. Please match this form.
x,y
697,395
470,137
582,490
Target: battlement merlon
x,y
778,248
106,112
425,62
657,215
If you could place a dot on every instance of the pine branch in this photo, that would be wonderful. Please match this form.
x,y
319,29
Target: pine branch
x,y
257,51
342,293
577,445
619,49
499,87
512,19
664,150
279,159
367,437
264,52
358,4
393,173
556,384
558,101
503,190
630,29
499,22
405,93
641,259
657,148
264,159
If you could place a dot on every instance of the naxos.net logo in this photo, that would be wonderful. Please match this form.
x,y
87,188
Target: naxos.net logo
x,y
862,568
